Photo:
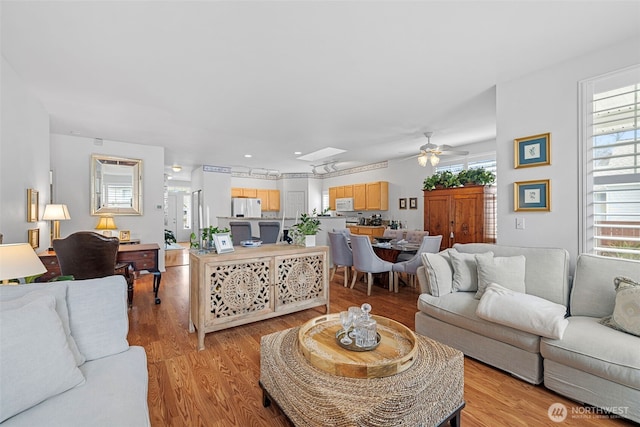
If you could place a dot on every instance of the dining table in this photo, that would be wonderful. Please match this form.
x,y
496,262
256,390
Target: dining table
x,y
390,251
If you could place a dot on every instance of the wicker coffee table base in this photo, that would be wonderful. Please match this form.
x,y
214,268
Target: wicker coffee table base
x,y
430,393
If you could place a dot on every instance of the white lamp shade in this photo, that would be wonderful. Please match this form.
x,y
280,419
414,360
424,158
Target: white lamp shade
x,y
19,260
55,212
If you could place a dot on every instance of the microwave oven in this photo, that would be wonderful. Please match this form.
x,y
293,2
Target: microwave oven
x,y
344,204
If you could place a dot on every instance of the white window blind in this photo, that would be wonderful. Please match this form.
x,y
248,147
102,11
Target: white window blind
x,y
119,196
613,171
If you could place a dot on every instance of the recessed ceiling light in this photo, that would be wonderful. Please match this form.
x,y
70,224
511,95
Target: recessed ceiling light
x,y
297,153
169,177
176,168
248,155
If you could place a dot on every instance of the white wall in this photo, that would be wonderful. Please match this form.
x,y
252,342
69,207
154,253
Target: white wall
x,y
24,157
547,101
71,165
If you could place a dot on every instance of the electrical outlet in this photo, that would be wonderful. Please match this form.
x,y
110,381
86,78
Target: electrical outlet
x,y
520,223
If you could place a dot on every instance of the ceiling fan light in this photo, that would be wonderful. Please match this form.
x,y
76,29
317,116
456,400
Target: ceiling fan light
x,y
435,160
422,159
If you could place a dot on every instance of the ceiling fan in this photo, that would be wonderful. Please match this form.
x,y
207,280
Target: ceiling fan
x,y
431,152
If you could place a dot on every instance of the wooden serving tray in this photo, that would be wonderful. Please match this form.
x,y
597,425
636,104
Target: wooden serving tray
x,y
396,352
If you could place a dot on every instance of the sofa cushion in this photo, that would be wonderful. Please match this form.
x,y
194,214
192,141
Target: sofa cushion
x,y
508,272
547,269
36,360
459,309
115,394
17,296
592,293
626,313
594,348
439,272
521,311
465,272
104,334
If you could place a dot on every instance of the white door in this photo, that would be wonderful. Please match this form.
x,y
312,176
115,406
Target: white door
x,y
296,203
172,215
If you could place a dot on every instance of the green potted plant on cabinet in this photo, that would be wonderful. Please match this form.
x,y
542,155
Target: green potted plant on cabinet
x,y
207,236
305,230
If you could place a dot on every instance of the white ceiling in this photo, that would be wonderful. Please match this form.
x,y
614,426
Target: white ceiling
x,y
212,81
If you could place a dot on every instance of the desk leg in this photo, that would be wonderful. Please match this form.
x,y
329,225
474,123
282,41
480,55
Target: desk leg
x,y
157,276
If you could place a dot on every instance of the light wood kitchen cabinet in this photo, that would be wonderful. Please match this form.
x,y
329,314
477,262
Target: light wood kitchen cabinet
x,y
274,200
359,197
367,230
348,190
332,198
340,192
377,196
461,215
270,199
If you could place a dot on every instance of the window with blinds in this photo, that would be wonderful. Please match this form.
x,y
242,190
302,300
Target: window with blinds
x,y
613,171
119,196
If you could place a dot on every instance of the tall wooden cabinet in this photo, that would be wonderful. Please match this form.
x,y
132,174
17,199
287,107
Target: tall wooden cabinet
x,y
461,215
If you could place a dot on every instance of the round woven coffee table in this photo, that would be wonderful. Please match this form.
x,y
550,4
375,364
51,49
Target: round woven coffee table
x,y
429,392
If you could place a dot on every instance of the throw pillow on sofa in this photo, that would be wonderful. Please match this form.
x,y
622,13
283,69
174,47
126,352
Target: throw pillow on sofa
x,y
465,271
439,273
36,360
507,272
521,311
626,313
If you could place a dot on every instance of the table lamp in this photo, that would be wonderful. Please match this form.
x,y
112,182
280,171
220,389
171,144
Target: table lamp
x,y
18,260
106,224
55,213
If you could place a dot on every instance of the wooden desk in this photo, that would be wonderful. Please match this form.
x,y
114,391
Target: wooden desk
x,y
143,258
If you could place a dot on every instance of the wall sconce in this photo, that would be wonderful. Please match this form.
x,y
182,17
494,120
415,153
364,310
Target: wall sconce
x,y
106,224
19,260
55,213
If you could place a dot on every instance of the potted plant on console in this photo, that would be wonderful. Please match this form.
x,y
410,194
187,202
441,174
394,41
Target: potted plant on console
x,y
305,230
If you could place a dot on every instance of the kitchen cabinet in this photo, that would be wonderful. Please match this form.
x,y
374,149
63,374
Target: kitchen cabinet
x,y
332,198
359,197
270,199
461,215
372,196
367,230
377,196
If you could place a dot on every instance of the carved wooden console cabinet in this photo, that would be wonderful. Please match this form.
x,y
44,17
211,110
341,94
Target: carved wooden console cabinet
x,y
252,284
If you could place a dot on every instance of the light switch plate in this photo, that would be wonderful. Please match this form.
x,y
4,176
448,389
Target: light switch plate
x,y
520,223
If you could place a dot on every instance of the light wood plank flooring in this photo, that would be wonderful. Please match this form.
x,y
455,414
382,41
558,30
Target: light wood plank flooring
x,y
218,386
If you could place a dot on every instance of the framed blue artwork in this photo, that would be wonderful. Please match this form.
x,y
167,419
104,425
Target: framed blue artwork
x,y
532,196
532,151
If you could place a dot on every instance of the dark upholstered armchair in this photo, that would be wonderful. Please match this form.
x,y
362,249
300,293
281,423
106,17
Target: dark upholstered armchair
x,y
89,255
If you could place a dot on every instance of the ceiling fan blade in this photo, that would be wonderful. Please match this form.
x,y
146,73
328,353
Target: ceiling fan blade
x,y
453,153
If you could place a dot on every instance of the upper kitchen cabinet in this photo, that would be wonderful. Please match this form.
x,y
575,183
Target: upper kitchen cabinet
x,y
377,196
360,197
372,196
269,199
244,192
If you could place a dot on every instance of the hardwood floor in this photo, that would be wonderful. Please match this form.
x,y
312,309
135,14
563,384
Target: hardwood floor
x,y
218,386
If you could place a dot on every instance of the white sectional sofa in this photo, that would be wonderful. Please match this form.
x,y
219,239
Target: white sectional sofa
x,y
64,356
529,336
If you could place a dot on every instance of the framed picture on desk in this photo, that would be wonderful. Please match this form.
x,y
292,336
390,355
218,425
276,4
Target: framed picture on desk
x,y
223,243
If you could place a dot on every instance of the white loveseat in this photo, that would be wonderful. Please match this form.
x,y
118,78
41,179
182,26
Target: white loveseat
x,y
585,361
65,359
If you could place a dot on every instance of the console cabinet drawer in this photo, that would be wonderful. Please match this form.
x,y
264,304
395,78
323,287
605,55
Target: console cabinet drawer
x,y
141,260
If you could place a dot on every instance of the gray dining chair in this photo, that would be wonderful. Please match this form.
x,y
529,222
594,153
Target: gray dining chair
x,y
414,237
341,254
345,231
365,260
430,244
240,231
393,234
269,231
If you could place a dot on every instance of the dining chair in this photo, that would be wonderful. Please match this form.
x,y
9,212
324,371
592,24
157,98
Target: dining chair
x,y
365,260
429,244
89,255
413,237
393,234
345,231
341,254
269,231
240,231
